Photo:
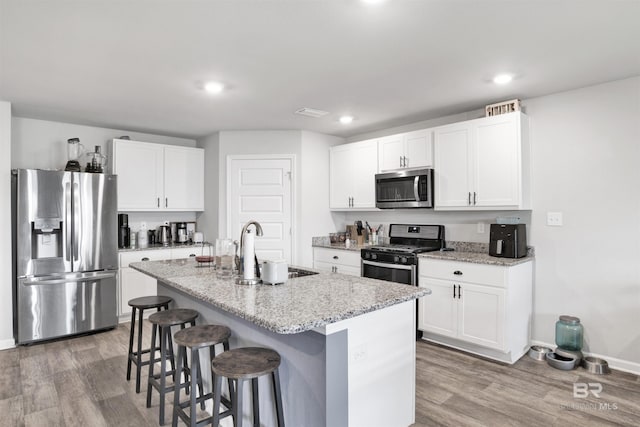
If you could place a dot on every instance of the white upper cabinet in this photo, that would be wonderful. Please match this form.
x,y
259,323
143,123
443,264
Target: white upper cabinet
x,y
406,150
184,178
483,164
352,175
157,177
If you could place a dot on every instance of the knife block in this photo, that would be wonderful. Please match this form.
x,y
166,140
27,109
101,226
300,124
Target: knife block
x,y
352,233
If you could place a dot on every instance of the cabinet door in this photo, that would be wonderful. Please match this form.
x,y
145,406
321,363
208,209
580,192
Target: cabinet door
x,y
438,312
496,168
481,314
340,172
183,179
391,152
139,167
323,266
452,159
418,149
365,167
134,284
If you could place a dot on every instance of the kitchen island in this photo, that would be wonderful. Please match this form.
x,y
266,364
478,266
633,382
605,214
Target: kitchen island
x,y
347,343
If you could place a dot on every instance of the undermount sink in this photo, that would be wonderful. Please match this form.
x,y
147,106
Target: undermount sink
x,y
298,272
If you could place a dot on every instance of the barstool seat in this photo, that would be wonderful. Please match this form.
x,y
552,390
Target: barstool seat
x,y
162,322
242,364
196,338
142,303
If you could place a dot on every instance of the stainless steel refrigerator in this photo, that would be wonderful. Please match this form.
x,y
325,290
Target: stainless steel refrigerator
x,y
64,253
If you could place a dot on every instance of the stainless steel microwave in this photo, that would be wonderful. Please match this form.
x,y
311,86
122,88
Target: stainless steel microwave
x,y
405,189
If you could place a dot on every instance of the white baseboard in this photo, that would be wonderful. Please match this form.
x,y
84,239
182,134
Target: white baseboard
x,y
618,364
6,344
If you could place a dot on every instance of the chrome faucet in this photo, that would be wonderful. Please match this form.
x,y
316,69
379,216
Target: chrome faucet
x,y
244,231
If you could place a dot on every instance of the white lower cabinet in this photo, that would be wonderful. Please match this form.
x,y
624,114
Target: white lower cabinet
x,y
484,309
133,284
337,261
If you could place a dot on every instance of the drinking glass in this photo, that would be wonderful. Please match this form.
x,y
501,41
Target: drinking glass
x,y
225,251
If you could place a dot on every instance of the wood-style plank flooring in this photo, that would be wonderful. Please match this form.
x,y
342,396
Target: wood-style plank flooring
x,y
81,382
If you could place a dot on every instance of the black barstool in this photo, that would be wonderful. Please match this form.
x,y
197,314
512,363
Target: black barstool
x,y
242,364
196,338
158,302
162,323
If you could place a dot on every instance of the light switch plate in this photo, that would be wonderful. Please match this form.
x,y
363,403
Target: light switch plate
x,y
554,219
480,227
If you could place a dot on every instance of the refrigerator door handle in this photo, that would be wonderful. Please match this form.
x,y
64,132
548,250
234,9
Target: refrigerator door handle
x,y
59,280
76,222
67,222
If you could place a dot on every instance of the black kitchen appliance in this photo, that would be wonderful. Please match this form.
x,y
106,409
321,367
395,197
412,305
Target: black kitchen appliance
x,y
124,232
398,260
508,240
405,189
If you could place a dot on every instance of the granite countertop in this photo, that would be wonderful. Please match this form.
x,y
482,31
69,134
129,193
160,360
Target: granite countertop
x,y
340,246
475,257
157,246
299,305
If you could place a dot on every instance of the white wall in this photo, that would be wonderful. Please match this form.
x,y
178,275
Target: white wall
x,y
6,275
315,219
41,144
586,151
208,220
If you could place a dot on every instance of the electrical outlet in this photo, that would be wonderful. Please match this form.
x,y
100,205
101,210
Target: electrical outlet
x,y
554,219
480,226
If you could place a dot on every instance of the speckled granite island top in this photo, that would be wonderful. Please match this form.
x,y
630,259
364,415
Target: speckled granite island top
x,y
299,305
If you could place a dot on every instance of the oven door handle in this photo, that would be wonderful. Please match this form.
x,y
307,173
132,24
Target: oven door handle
x,y
387,265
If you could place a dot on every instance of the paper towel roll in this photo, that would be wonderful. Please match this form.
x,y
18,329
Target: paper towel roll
x,y
248,254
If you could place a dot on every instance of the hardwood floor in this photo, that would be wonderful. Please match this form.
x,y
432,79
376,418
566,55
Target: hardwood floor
x,y
81,382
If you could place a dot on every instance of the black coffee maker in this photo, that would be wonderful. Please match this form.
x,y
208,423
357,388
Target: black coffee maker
x,y
508,240
124,232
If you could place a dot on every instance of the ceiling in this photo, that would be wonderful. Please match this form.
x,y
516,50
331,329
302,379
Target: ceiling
x,y
140,64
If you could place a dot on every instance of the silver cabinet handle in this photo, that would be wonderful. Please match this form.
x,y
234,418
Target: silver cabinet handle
x,y
145,259
166,202
404,161
454,291
158,201
400,161
474,198
335,257
459,292
192,255
469,202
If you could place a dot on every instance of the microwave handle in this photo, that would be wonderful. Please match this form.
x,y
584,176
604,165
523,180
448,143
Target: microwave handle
x,y
416,192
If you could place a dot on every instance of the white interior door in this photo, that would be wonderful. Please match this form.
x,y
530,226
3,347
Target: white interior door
x,y
261,190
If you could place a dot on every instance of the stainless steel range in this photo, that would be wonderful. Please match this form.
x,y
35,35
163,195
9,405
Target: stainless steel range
x,y
398,261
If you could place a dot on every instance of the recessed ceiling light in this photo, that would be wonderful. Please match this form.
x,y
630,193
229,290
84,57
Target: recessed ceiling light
x,y
373,1
214,87
502,79
345,120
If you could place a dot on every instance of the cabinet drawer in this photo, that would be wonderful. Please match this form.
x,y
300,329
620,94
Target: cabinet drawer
x,y
177,253
337,256
492,275
136,256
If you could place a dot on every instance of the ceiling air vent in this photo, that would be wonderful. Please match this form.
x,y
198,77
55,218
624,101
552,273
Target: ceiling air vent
x,y
310,112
